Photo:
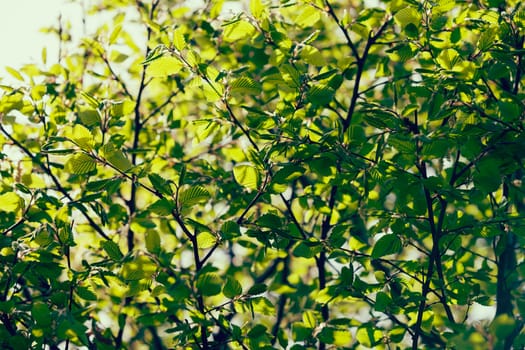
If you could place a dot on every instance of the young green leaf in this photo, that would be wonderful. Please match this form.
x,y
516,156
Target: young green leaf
x,y
247,176
232,288
206,240
80,163
386,245
112,249
209,284
153,241
258,288
193,195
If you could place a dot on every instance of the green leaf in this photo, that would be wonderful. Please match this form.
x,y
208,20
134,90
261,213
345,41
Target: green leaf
x,y
448,58
245,85
305,250
284,177
42,314
408,15
81,136
209,284
89,117
386,245
257,8
164,66
368,336
80,163
116,157
160,184
14,73
112,250
230,229
487,176
114,34
320,95
91,101
307,17
502,326
312,55
256,289
86,293
238,30
444,6
162,207
179,42
206,240
336,336
247,176
153,241
257,331
232,288
10,202
383,300
270,220
193,195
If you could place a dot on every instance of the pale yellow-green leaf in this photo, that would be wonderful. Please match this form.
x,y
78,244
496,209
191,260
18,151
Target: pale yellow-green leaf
x,y
213,90
114,34
178,39
206,240
256,8
44,55
448,58
164,66
308,17
14,73
247,176
312,55
193,58
216,8
368,337
10,202
80,163
81,136
309,319
92,101
406,16
444,6
237,31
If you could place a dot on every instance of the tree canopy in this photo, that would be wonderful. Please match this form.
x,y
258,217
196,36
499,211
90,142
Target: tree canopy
x,y
268,174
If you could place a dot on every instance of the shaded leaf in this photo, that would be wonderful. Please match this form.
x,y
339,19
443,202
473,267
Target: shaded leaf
x,y
386,245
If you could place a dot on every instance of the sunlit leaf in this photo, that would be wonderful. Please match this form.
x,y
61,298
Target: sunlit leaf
x,y
206,240
164,66
247,176
237,31
10,202
178,39
307,17
80,163
194,195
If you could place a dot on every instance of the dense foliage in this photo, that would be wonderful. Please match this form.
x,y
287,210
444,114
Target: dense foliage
x,y
293,174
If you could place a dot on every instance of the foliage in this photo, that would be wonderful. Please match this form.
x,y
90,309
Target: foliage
x,y
329,174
